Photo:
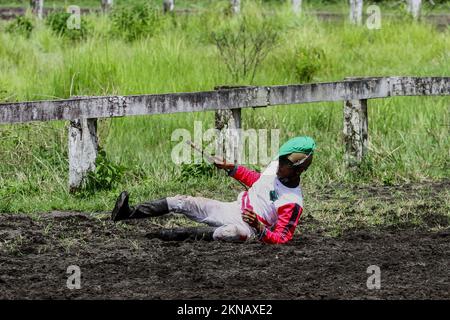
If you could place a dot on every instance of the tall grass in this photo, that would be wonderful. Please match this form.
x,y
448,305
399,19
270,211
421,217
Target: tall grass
x,y
408,136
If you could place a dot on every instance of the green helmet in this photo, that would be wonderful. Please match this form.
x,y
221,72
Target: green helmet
x,y
304,145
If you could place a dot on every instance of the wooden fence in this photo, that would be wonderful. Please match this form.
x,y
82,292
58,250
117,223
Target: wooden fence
x,y
83,112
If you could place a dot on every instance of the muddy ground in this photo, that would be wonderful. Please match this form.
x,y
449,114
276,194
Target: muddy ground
x,y
118,261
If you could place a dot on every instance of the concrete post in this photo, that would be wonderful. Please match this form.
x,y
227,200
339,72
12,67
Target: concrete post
x,y
414,8
229,124
83,148
355,131
107,5
297,6
356,9
37,7
168,5
235,6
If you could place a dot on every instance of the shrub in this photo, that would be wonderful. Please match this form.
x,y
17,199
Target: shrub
x,y
58,23
105,175
135,21
244,46
21,25
193,170
4,95
306,63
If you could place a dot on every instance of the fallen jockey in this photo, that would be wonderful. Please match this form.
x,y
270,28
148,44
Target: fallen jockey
x,y
268,211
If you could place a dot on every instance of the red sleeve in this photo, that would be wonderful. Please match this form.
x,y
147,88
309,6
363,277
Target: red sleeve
x,y
246,176
283,231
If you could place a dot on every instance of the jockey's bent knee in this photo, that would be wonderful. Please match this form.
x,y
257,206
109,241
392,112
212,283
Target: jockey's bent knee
x,y
231,233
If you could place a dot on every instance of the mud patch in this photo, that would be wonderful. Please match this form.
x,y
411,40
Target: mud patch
x,y
119,261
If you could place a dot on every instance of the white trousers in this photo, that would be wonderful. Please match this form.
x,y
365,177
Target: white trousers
x,y
224,215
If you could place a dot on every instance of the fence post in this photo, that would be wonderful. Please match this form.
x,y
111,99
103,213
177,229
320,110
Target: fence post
x,y
414,8
356,8
37,7
168,5
107,5
235,6
228,122
355,131
297,6
83,148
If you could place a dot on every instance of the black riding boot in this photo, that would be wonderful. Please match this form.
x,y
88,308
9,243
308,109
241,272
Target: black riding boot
x,y
121,210
148,209
182,234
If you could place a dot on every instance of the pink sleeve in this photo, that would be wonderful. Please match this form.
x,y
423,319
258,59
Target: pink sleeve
x,y
288,216
246,176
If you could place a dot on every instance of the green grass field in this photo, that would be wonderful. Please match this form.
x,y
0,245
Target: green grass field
x,y
409,137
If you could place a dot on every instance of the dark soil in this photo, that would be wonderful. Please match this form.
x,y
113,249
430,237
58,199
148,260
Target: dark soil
x,y
119,261
409,190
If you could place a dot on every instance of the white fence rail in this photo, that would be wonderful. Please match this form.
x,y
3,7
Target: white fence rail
x,y
83,112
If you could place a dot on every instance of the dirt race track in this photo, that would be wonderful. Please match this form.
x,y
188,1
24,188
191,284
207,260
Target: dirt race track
x,y
121,262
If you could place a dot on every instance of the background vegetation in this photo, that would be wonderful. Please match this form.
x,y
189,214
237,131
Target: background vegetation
x,y
142,51
329,5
